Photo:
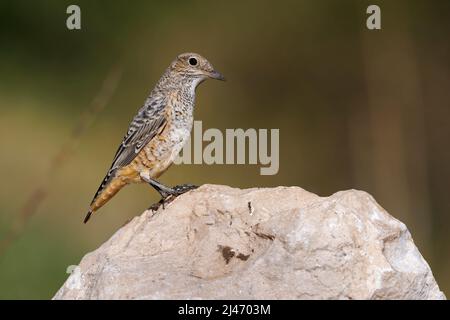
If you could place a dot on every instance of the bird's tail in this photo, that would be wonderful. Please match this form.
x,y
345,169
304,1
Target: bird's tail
x,y
105,192
88,216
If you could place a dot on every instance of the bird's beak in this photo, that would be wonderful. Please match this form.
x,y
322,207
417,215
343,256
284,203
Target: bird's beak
x,y
216,75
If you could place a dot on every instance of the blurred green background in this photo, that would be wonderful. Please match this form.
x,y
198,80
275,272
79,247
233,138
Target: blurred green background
x,y
356,109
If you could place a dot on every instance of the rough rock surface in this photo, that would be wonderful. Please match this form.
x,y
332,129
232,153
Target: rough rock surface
x,y
274,243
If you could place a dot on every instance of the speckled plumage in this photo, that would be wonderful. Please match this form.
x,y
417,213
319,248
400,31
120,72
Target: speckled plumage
x,y
159,130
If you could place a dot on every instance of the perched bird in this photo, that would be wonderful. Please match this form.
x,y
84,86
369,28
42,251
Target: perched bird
x,y
158,131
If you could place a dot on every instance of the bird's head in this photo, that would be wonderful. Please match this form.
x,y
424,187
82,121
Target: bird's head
x,y
196,67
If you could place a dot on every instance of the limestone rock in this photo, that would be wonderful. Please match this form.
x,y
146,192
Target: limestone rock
x,y
218,242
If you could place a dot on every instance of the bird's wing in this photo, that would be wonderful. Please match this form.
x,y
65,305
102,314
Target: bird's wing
x,y
145,125
150,119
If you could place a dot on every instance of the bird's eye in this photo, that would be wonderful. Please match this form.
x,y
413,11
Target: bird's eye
x,y
193,61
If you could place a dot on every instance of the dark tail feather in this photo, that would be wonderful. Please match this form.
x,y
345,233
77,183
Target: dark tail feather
x,y
88,216
105,182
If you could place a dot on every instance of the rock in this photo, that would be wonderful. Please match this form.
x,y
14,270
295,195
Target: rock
x,y
218,242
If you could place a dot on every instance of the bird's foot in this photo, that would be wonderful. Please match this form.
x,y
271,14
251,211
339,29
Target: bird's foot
x,y
183,188
170,196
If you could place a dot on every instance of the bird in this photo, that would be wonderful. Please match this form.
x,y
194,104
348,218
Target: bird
x,y
158,131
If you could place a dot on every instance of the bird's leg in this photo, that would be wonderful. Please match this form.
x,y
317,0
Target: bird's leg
x,y
163,190
167,194
172,193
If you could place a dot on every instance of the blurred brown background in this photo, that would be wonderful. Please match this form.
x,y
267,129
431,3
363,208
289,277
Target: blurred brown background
x,y
356,109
